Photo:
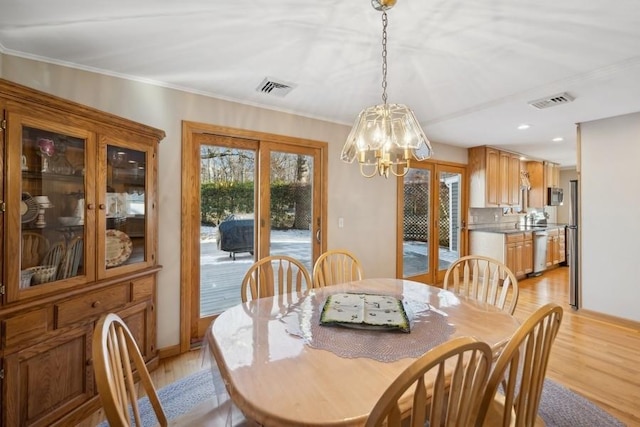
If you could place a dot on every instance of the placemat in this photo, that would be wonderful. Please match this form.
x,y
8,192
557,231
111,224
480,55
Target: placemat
x,y
429,328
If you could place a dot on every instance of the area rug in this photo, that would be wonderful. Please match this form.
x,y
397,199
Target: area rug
x,y
559,406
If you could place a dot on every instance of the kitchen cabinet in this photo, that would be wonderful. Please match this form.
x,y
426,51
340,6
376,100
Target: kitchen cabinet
x,y
552,238
503,179
514,179
76,178
538,192
514,245
552,175
527,253
519,250
561,247
514,249
542,175
555,246
494,177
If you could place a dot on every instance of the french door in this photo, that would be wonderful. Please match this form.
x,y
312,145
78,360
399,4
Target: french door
x,y
431,235
255,195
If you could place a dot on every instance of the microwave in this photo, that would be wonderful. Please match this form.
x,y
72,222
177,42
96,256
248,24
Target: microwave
x,y
555,196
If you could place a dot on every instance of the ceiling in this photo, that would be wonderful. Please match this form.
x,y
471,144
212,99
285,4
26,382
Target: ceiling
x,y
468,69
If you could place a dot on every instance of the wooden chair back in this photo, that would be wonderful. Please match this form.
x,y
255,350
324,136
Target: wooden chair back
x,y
484,279
115,358
336,266
521,369
274,275
34,247
448,383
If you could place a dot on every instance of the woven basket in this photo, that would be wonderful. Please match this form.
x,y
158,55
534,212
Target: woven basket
x,y
43,273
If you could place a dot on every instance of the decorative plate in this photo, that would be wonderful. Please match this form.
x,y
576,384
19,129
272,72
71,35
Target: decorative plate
x,y
119,247
28,208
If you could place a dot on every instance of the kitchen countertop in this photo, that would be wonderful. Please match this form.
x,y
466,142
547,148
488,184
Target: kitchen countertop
x,y
515,228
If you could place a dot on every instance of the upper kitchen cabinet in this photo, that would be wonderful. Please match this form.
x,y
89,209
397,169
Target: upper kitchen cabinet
x,y
552,174
78,210
494,178
542,175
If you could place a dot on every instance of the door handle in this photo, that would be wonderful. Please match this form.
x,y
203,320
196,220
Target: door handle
x,y
318,235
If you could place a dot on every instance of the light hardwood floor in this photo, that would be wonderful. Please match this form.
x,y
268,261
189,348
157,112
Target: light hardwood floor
x,y
592,357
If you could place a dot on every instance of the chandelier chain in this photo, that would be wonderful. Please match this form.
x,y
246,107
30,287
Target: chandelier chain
x,y
386,138
384,56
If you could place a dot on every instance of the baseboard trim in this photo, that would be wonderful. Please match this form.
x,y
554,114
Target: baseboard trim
x,y
618,321
170,351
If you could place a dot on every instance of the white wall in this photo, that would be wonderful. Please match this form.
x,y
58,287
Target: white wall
x,y
610,187
563,211
368,206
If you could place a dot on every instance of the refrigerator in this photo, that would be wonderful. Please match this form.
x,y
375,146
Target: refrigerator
x,y
573,247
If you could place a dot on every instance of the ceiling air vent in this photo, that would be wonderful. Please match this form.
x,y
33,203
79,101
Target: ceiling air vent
x,y
273,87
552,101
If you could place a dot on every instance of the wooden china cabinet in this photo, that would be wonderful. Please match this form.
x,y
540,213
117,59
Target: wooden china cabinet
x,y
78,209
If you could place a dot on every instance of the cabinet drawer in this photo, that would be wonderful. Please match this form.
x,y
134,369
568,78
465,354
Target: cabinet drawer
x,y
26,326
91,305
528,235
514,237
142,289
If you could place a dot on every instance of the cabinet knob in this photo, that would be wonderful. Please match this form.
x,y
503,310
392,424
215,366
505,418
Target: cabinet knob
x,y
95,304
102,206
89,362
91,206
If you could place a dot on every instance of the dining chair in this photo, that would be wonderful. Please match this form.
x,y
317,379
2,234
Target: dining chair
x,y
448,384
115,357
514,388
272,275
116,360
336,266
484,279
34,247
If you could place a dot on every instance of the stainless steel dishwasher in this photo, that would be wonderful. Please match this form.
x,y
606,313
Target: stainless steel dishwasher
x,y
539,252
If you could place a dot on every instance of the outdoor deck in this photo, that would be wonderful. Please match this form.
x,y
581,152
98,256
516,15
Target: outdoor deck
x,y
221,275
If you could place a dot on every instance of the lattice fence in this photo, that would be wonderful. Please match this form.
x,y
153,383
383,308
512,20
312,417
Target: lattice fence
x,y
416,213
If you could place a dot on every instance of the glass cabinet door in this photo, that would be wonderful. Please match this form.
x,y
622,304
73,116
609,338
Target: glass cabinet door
x,y
49,225
125,206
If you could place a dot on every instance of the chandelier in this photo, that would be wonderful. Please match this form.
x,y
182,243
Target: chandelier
x,y
385,137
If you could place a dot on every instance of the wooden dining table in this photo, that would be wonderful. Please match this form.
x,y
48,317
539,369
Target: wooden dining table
x,y
281,367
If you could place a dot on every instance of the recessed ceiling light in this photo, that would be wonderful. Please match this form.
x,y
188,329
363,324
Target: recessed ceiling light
x,y
558,139
523,126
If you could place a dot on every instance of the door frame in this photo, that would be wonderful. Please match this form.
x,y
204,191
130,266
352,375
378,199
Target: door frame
x,y
190,211
434,276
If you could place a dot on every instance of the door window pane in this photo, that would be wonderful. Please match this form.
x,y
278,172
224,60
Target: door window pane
x,y
416,219
449,204
291,206
227,231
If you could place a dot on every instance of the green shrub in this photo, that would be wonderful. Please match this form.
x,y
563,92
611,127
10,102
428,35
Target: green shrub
x,y
290,203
